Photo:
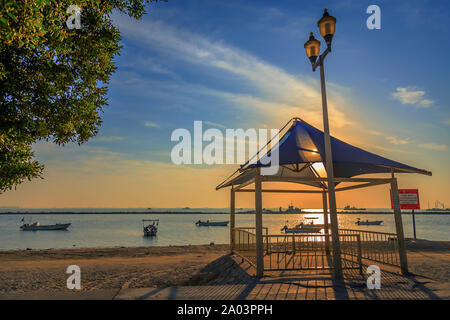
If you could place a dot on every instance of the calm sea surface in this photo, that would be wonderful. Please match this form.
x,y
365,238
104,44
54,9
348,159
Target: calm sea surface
x,y
115,230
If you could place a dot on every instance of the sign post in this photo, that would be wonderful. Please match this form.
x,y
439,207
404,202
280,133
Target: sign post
x,y
409,199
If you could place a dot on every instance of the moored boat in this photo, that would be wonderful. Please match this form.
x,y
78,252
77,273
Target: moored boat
x,y
347,207
208,223
36,226
368,223
303,228
151,229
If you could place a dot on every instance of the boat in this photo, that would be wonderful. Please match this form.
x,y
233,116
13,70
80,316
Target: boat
x,y
36,226
368,223
208,223
290,209
150,229
303,227
347,207
437,208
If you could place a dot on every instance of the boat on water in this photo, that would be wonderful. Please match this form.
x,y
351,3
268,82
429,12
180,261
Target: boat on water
x,y
209,223
347,207
151,228
368,223
290,209
437,208
36,226
303,227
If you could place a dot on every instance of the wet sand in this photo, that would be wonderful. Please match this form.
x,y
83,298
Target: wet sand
x,y
40,273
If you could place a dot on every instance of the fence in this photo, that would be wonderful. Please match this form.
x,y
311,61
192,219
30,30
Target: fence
x,y
377,246
308,252
296,251
244,243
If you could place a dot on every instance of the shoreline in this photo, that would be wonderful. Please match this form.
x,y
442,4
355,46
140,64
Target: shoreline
x,y
412,245
121,251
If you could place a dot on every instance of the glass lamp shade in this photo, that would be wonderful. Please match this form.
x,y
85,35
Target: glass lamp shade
x,y
312,48
327,26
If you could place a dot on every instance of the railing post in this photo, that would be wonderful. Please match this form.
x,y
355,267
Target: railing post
x,y
293,244
358,239
232,218
258,225
325,222
399,226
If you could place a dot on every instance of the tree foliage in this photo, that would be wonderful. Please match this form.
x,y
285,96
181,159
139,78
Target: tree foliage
x,y
53,80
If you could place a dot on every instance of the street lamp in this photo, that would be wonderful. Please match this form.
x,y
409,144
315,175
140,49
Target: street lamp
x,y
312,48
327,27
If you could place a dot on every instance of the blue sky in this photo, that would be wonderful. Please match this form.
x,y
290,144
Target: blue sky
x,y
239,64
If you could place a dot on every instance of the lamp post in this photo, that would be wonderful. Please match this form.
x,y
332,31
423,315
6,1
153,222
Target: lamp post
x,y
327,27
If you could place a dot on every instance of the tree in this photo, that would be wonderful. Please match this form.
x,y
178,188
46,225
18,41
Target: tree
x,y
53,80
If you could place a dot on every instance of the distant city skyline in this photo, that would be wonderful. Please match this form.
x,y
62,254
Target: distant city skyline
x,y
235,64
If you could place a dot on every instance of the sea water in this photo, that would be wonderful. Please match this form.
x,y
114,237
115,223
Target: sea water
x,y
125,229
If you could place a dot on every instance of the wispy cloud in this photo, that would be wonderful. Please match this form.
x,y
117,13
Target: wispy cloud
x,y
390,138
214,124
276,94
151,124
148,64
433,146
397,141
107,139
412,96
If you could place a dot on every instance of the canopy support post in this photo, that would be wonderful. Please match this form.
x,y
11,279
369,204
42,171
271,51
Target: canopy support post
x,y
325,222
232,217
258,225
399,226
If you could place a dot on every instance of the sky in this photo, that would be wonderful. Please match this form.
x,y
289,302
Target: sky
x,y
241,64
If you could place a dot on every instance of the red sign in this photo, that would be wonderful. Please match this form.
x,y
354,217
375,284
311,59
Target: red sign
x,y
409,199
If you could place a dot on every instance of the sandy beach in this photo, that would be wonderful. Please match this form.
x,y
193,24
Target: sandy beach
x,y
38,273
42,271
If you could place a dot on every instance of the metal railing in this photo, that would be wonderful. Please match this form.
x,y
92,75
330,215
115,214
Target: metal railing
x,y
244,243
308,252
296,251
377,246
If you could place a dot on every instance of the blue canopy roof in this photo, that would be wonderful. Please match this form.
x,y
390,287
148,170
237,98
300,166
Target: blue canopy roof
x,y
303,143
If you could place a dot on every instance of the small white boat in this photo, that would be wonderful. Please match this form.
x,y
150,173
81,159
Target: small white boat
x,y
368,223
36,226
151,229
208,223
303,228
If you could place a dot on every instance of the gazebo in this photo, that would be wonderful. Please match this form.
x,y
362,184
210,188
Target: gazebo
x,y
301,150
